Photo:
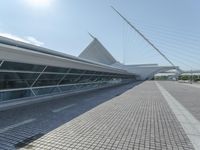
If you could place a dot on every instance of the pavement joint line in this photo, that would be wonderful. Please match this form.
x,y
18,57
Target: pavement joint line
x,y
63,108
191,127
16,125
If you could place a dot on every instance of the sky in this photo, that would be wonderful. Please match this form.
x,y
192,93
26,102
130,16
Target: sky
x,y
63,25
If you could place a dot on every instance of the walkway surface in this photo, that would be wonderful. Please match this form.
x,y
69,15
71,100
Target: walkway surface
x,y
187,94
148,116
21,125
138,119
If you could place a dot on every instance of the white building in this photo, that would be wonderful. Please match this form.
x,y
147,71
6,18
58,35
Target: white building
x,y
29,73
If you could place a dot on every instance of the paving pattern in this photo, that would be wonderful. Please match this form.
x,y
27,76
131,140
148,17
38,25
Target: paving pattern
x,y
138,119
190,98
21,125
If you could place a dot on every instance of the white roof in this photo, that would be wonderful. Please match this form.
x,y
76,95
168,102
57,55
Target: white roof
x,y
98,53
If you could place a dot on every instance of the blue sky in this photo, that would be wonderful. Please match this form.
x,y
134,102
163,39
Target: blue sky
x,y
63,25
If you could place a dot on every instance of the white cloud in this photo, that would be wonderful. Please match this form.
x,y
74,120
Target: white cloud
x,y
34,41
28,39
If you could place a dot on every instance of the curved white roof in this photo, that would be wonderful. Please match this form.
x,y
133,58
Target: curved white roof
x,y
13,50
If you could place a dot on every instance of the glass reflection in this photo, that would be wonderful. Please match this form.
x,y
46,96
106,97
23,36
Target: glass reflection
x,y
12,80
10,95
14,75
44,91
7,65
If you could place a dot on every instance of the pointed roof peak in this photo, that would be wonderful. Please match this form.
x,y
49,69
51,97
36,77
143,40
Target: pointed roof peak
x,y
92,36
95,51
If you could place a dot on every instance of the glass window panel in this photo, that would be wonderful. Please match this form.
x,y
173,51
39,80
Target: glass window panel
x,y
98,73
94,85
91,85
103,73
70,79
104,78
115,81
90,72
78,86
109,78
10,95
81,86
107,73
48,79
93,79
7,65
9,80
98,78
102,84
68,88
56,69
78,71
44,91
84,79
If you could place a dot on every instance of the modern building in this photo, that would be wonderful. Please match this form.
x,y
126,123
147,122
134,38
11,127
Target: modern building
x,y
98,53
29,73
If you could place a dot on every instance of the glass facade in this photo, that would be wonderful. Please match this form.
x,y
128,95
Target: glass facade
x,y
21,80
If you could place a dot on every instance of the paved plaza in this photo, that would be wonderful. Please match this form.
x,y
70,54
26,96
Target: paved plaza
x,y
187,94
140,116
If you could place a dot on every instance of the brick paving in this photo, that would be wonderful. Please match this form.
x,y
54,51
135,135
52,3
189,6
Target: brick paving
x,y
189,98
45,120
138,119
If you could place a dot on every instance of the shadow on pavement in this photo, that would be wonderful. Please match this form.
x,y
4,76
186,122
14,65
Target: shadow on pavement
x,y
46,120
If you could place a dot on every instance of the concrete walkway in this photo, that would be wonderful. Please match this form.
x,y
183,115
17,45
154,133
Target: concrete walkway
x,y
138,119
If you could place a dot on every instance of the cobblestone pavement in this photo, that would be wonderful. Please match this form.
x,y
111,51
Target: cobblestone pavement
x,y
24,124
138,119
187,95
